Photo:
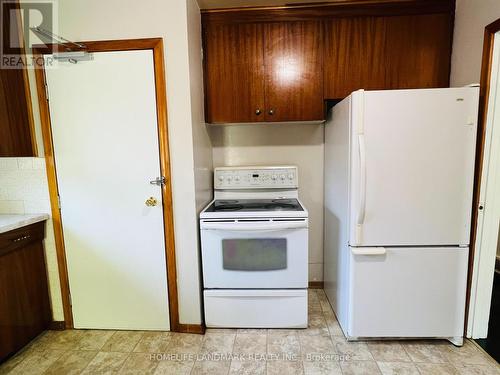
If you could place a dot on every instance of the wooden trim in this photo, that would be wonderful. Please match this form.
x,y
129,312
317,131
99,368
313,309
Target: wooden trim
x,y
102,46
486,65
56,325
338,8
156,45
168,219
53,193
316,284
191,328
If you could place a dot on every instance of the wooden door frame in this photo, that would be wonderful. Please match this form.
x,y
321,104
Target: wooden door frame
x,y
486,66
156,45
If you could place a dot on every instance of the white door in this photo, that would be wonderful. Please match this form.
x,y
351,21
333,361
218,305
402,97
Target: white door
x,y
408,292
487,239
104,128
412,162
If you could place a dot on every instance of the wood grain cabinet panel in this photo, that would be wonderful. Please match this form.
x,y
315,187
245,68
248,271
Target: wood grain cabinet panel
x,y
16,118
24,299
399,52
354,55
15,135
294,71
234,73
287,67
419,51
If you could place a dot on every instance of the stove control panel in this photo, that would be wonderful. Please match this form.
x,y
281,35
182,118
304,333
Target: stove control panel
x,y
280,177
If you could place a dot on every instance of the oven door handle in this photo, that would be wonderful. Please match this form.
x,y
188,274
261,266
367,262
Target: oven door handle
x,y
244,227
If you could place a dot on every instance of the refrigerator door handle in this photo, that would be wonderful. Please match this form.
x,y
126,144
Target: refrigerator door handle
x,y
362,179
368,250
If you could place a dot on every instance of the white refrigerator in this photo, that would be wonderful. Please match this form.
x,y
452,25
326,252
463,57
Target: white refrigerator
x,y
399,169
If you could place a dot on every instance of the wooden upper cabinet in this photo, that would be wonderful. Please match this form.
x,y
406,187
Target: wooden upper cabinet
x,y
15,115
354,50
294,71
234,73
263,72
419,51
285,62
386,53
16,118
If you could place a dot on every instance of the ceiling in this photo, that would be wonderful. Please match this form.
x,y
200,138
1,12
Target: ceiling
x,y
214,4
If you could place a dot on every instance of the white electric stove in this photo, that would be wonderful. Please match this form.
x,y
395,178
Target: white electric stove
x,y
254,241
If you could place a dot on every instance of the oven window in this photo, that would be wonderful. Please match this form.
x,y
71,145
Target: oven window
x,y
254,254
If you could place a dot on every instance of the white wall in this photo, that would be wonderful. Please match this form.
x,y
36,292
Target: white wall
x,y
471,17
281,144
24,190
202,147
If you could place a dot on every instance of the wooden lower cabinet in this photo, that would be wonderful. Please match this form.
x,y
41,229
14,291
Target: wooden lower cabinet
x,y
24,299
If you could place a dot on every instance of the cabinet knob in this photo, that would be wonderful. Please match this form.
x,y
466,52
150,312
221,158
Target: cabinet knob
x,y
271,112
258,111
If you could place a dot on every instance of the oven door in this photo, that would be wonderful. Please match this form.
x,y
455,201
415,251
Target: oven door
x,y
255,253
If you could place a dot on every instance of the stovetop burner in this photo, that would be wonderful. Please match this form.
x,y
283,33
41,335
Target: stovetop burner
x,y
253,205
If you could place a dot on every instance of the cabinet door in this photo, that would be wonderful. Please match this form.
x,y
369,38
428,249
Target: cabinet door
x,y
419,51
234,73
354,55
15,101
386,53
24,300
294,71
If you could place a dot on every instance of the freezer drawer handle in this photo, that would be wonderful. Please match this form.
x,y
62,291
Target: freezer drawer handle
x,y
368,250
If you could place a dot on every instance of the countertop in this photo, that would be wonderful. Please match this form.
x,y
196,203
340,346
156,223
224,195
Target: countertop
x,y
11,222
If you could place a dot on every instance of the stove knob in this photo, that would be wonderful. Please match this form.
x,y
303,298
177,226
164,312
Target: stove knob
x,y
274,177
237,178
221,178
290,176
229,178
282,176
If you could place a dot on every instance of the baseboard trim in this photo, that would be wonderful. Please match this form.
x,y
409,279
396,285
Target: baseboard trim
x,y
57,325
191,328
316,284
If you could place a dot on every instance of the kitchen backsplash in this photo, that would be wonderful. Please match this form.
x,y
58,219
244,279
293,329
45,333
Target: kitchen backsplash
x,y
24,190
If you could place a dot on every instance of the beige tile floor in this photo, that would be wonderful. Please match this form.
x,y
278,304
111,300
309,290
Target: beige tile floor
x,y
319,349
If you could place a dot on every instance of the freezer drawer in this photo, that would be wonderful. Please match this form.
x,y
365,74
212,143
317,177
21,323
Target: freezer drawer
x,y
407,292
231,308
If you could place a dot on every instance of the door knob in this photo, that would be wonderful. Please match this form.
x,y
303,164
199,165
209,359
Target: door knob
x,y
258,111
271,112
151,201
